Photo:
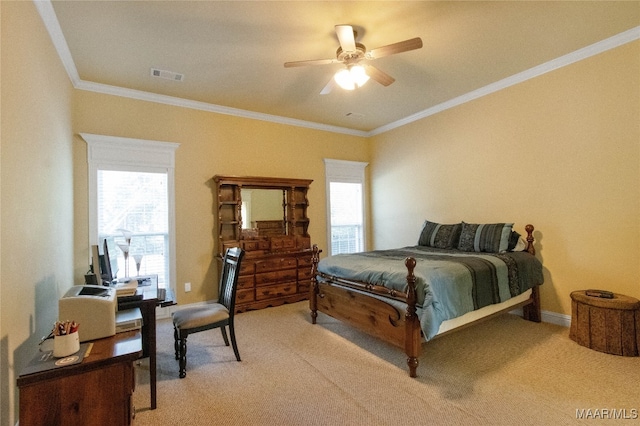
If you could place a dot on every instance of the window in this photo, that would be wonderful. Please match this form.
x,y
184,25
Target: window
x,y
136,202
131,191
345,206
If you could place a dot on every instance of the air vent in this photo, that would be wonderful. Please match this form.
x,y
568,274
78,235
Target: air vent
x,y
167,75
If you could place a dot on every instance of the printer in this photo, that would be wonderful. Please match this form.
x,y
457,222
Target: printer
x,y
93,307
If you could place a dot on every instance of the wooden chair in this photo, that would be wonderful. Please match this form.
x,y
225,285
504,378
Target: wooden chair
x,y
215,315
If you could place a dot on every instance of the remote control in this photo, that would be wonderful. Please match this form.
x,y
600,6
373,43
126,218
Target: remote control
x,y
604,294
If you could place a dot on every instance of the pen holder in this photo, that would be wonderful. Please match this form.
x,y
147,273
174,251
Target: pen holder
x,y
65,345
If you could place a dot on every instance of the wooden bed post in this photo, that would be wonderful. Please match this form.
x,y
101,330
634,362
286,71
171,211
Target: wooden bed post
x,y
313,290
530,248
532,312
412,324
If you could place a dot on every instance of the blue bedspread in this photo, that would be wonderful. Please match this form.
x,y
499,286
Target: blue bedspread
x,y
449,283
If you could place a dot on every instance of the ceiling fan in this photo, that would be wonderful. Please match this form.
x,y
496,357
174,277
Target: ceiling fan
x,y
352,54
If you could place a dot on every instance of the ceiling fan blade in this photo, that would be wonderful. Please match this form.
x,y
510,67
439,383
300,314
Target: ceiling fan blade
x,y
346,37
329,87
391,49
379,76
311,62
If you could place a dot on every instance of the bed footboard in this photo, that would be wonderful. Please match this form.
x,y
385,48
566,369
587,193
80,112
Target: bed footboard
x,y
351,302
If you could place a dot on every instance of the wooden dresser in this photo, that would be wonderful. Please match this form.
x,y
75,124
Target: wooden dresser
x,y
276,268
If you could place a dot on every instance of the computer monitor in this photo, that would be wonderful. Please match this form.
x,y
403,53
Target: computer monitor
x,y
108,265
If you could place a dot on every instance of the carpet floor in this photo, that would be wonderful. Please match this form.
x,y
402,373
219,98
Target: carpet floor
x,y
501,372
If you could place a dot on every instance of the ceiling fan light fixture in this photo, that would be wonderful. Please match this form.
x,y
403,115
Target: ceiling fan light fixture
x,y
352,77
344,79
359,75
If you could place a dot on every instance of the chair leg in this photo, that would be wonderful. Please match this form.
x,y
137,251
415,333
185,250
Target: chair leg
x,y
223,330
176,344
183,356
233,341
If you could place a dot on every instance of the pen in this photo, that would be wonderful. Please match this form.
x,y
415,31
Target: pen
x,y
63,328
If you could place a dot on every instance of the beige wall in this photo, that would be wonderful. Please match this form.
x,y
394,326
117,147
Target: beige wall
x,y
36,192
210,144
561,151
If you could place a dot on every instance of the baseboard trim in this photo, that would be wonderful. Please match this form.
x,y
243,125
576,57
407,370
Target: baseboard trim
x,y
163,313
549,317
556,318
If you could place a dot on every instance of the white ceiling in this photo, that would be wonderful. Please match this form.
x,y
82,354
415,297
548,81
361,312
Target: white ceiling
x,y
232,52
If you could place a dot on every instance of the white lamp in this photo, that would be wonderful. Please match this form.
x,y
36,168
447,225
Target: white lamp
x,y
352,76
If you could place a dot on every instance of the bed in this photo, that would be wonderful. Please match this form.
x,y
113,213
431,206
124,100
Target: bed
x,y
457,275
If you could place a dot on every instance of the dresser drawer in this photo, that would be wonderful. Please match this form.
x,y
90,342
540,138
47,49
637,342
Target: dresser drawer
x,y
250,245
305,261
244,295
253,245
303,288
264,245
282,243
275,264
247,267
269,292
276,277
304,274
245,281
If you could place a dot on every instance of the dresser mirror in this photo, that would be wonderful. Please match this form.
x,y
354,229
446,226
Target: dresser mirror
x,y
262,207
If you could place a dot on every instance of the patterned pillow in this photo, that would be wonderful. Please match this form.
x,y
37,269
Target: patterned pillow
x,y
439,236
488,238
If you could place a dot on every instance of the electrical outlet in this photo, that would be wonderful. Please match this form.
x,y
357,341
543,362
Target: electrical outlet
x,y
187,287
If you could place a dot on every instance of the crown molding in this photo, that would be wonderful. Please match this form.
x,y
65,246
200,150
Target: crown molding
x,y
203,106
48,15
568,59
50,20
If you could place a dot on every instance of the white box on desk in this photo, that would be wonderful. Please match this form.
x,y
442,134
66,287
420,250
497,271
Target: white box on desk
x,y
128,320
93,307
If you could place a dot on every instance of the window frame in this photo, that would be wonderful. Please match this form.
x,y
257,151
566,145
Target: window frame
x,y
131,155
345,171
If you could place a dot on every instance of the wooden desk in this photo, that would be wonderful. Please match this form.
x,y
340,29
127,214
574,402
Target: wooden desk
x,y
148,309
96,391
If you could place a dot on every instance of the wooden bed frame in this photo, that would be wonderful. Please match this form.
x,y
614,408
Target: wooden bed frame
x,y
352,302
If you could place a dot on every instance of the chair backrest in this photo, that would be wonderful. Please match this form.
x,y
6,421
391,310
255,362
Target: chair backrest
x,y
229,277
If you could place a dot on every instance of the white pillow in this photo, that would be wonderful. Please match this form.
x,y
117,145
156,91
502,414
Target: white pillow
x,y
521,245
